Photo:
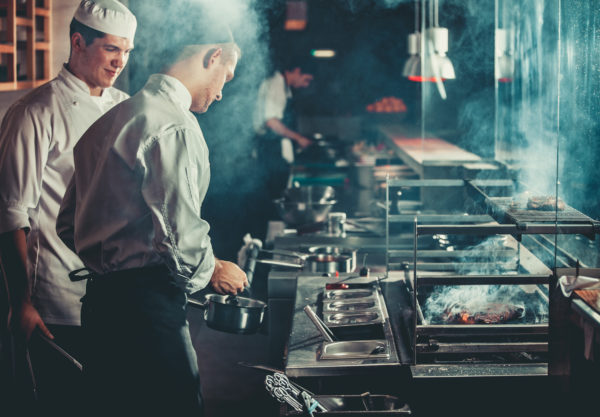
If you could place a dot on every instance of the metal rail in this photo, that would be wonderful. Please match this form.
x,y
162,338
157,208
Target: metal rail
x,y
481,329
426,183
504,254
495,347
450,219
484,279
453,266
510,229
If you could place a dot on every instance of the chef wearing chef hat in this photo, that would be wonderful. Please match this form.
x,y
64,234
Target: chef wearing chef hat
x,y
37,138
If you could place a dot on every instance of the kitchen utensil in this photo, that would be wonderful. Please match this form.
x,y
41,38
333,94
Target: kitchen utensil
x,y
336,224
60,350
308,204
355,349
230,313
321,327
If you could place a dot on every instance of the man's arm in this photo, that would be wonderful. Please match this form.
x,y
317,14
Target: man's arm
x,y
13,254
23,154
281,129
171,191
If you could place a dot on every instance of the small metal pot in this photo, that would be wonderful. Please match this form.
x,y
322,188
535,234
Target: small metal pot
x,y
231,314
350,264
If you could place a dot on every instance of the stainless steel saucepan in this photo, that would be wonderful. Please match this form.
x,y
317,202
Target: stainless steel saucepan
x,y
230,313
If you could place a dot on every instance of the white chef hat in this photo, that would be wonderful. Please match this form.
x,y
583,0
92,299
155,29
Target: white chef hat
x,y
108,16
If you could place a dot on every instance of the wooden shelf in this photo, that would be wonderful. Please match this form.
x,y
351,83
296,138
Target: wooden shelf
x,y
28,70
42,46
6,48
23,21
42,12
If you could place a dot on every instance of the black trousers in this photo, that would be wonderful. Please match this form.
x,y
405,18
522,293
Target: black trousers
x,y
139,358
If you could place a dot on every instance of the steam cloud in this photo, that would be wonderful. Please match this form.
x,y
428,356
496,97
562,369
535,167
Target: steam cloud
x,y
477,298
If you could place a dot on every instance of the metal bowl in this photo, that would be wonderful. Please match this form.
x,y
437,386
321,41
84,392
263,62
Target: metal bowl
x,y
305,205
295,214
309,194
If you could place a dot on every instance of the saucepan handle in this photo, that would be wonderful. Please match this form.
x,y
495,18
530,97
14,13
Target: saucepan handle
x,y
279,263
196,303
281,252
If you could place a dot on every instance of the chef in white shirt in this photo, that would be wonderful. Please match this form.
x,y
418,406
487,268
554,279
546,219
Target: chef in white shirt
x,y
132,212
37,137
275,139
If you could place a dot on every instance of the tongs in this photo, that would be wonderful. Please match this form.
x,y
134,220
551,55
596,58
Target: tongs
x,y
60,350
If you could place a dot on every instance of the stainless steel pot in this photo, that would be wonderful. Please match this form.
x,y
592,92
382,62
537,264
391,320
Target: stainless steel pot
x,y
336,251
231,314
305,205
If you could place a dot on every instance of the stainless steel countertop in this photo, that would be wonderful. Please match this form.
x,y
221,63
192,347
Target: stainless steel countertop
x,y
305,340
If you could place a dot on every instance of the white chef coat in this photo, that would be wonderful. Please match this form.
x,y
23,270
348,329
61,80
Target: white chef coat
x,y
141,175
273,96
36,163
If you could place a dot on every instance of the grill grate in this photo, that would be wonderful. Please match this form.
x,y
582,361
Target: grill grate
x,y
521,215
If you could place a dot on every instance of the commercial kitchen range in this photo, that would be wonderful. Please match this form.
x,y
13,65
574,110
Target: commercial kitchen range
x,y
460,269
478,200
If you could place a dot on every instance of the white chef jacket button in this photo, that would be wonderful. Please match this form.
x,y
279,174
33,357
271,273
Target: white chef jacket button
x,y
74,102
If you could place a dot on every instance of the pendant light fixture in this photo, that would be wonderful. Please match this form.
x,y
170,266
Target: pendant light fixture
x,y
437,38
434,66
412,67
504,65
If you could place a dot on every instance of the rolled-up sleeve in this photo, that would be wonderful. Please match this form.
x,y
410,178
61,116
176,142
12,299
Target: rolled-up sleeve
x,y
24,144
170,189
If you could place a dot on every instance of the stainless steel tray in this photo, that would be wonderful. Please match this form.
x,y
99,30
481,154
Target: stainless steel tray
x,y
355,349
349,294
354,318
351,305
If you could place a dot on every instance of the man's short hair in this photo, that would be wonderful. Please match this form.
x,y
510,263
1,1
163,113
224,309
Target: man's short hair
x,y
88,34
190,23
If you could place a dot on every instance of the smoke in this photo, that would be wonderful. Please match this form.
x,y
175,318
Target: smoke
x,y
445,300
493,256
227,125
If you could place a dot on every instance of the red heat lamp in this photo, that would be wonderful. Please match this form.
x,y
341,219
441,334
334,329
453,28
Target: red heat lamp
x,y
420,79
504,64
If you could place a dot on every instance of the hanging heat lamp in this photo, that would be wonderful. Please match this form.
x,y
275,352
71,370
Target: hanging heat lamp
x,y
412,67
437,66
504,63
437,40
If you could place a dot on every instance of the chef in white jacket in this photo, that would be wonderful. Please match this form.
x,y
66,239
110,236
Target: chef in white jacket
x,y
133,213
37,137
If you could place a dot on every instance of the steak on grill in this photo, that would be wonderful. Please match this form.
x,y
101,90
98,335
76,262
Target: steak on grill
x,y
545,203
494,313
